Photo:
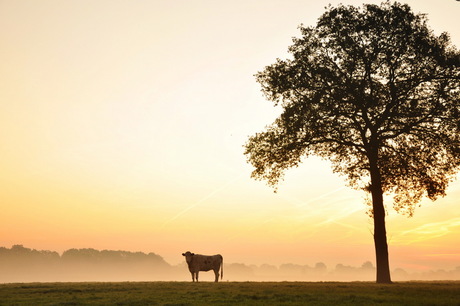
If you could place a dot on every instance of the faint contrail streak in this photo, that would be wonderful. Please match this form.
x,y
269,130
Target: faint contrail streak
x,y
428,231
305,203
201,200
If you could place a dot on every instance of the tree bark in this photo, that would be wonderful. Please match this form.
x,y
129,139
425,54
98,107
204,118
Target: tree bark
x,y
380,235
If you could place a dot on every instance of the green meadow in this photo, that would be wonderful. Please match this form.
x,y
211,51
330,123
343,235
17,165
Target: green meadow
x,y
231,293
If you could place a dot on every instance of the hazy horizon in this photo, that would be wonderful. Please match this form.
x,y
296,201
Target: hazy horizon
x,y
22,264
122,125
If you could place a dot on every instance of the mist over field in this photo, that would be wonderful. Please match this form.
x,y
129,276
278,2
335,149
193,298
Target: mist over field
x,y
22,264
123,126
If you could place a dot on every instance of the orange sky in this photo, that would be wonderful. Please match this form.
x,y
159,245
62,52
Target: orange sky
x,y
122,125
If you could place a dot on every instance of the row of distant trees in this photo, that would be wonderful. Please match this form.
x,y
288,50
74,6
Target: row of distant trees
x,y
320,272
21,264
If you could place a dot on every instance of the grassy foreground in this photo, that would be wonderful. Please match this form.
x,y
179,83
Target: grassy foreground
x,y
231,293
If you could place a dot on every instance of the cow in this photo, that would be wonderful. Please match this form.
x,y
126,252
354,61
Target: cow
x,y
197,263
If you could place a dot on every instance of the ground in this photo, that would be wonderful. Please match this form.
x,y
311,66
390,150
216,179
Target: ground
x,y
231,293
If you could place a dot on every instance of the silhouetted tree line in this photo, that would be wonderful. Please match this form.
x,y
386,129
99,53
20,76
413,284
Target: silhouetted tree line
x,y
320,272
296,272
21,264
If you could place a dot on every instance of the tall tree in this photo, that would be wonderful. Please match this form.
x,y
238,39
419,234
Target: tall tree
x,y
376,92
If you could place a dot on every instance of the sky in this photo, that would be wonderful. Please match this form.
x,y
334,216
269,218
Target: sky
x,y
122,125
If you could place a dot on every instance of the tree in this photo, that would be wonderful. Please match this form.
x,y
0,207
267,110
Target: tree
x,y
376,92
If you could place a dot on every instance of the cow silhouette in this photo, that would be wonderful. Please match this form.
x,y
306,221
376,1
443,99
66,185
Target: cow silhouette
x,y
197,263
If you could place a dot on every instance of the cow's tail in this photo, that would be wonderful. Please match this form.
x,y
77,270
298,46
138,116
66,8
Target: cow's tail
x,y
222,268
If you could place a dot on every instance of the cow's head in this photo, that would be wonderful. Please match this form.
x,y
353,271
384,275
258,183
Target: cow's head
x,y
188,256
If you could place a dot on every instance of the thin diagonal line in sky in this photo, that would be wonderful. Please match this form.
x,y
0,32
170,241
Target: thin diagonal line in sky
x,y
201,200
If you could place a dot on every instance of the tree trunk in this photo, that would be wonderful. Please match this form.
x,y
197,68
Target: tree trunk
x,y
380,235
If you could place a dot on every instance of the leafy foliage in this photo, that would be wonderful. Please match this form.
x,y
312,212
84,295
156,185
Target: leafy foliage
x,y
370,83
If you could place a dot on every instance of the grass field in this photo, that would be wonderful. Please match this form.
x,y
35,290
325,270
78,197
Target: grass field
x,y
231,293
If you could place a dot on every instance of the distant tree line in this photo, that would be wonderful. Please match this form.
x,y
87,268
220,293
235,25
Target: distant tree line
x,y
21,264
295,272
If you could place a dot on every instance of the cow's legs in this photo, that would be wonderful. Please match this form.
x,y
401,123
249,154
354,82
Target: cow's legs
x,y
216,272
196,276
193,276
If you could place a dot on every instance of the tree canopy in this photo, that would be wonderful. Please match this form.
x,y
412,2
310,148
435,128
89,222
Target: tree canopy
x,y
376,92
375,77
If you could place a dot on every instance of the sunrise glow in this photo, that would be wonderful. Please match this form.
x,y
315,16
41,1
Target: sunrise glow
x,y
122,125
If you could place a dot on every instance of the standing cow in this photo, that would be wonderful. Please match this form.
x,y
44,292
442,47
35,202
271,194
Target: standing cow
x,y
197,263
